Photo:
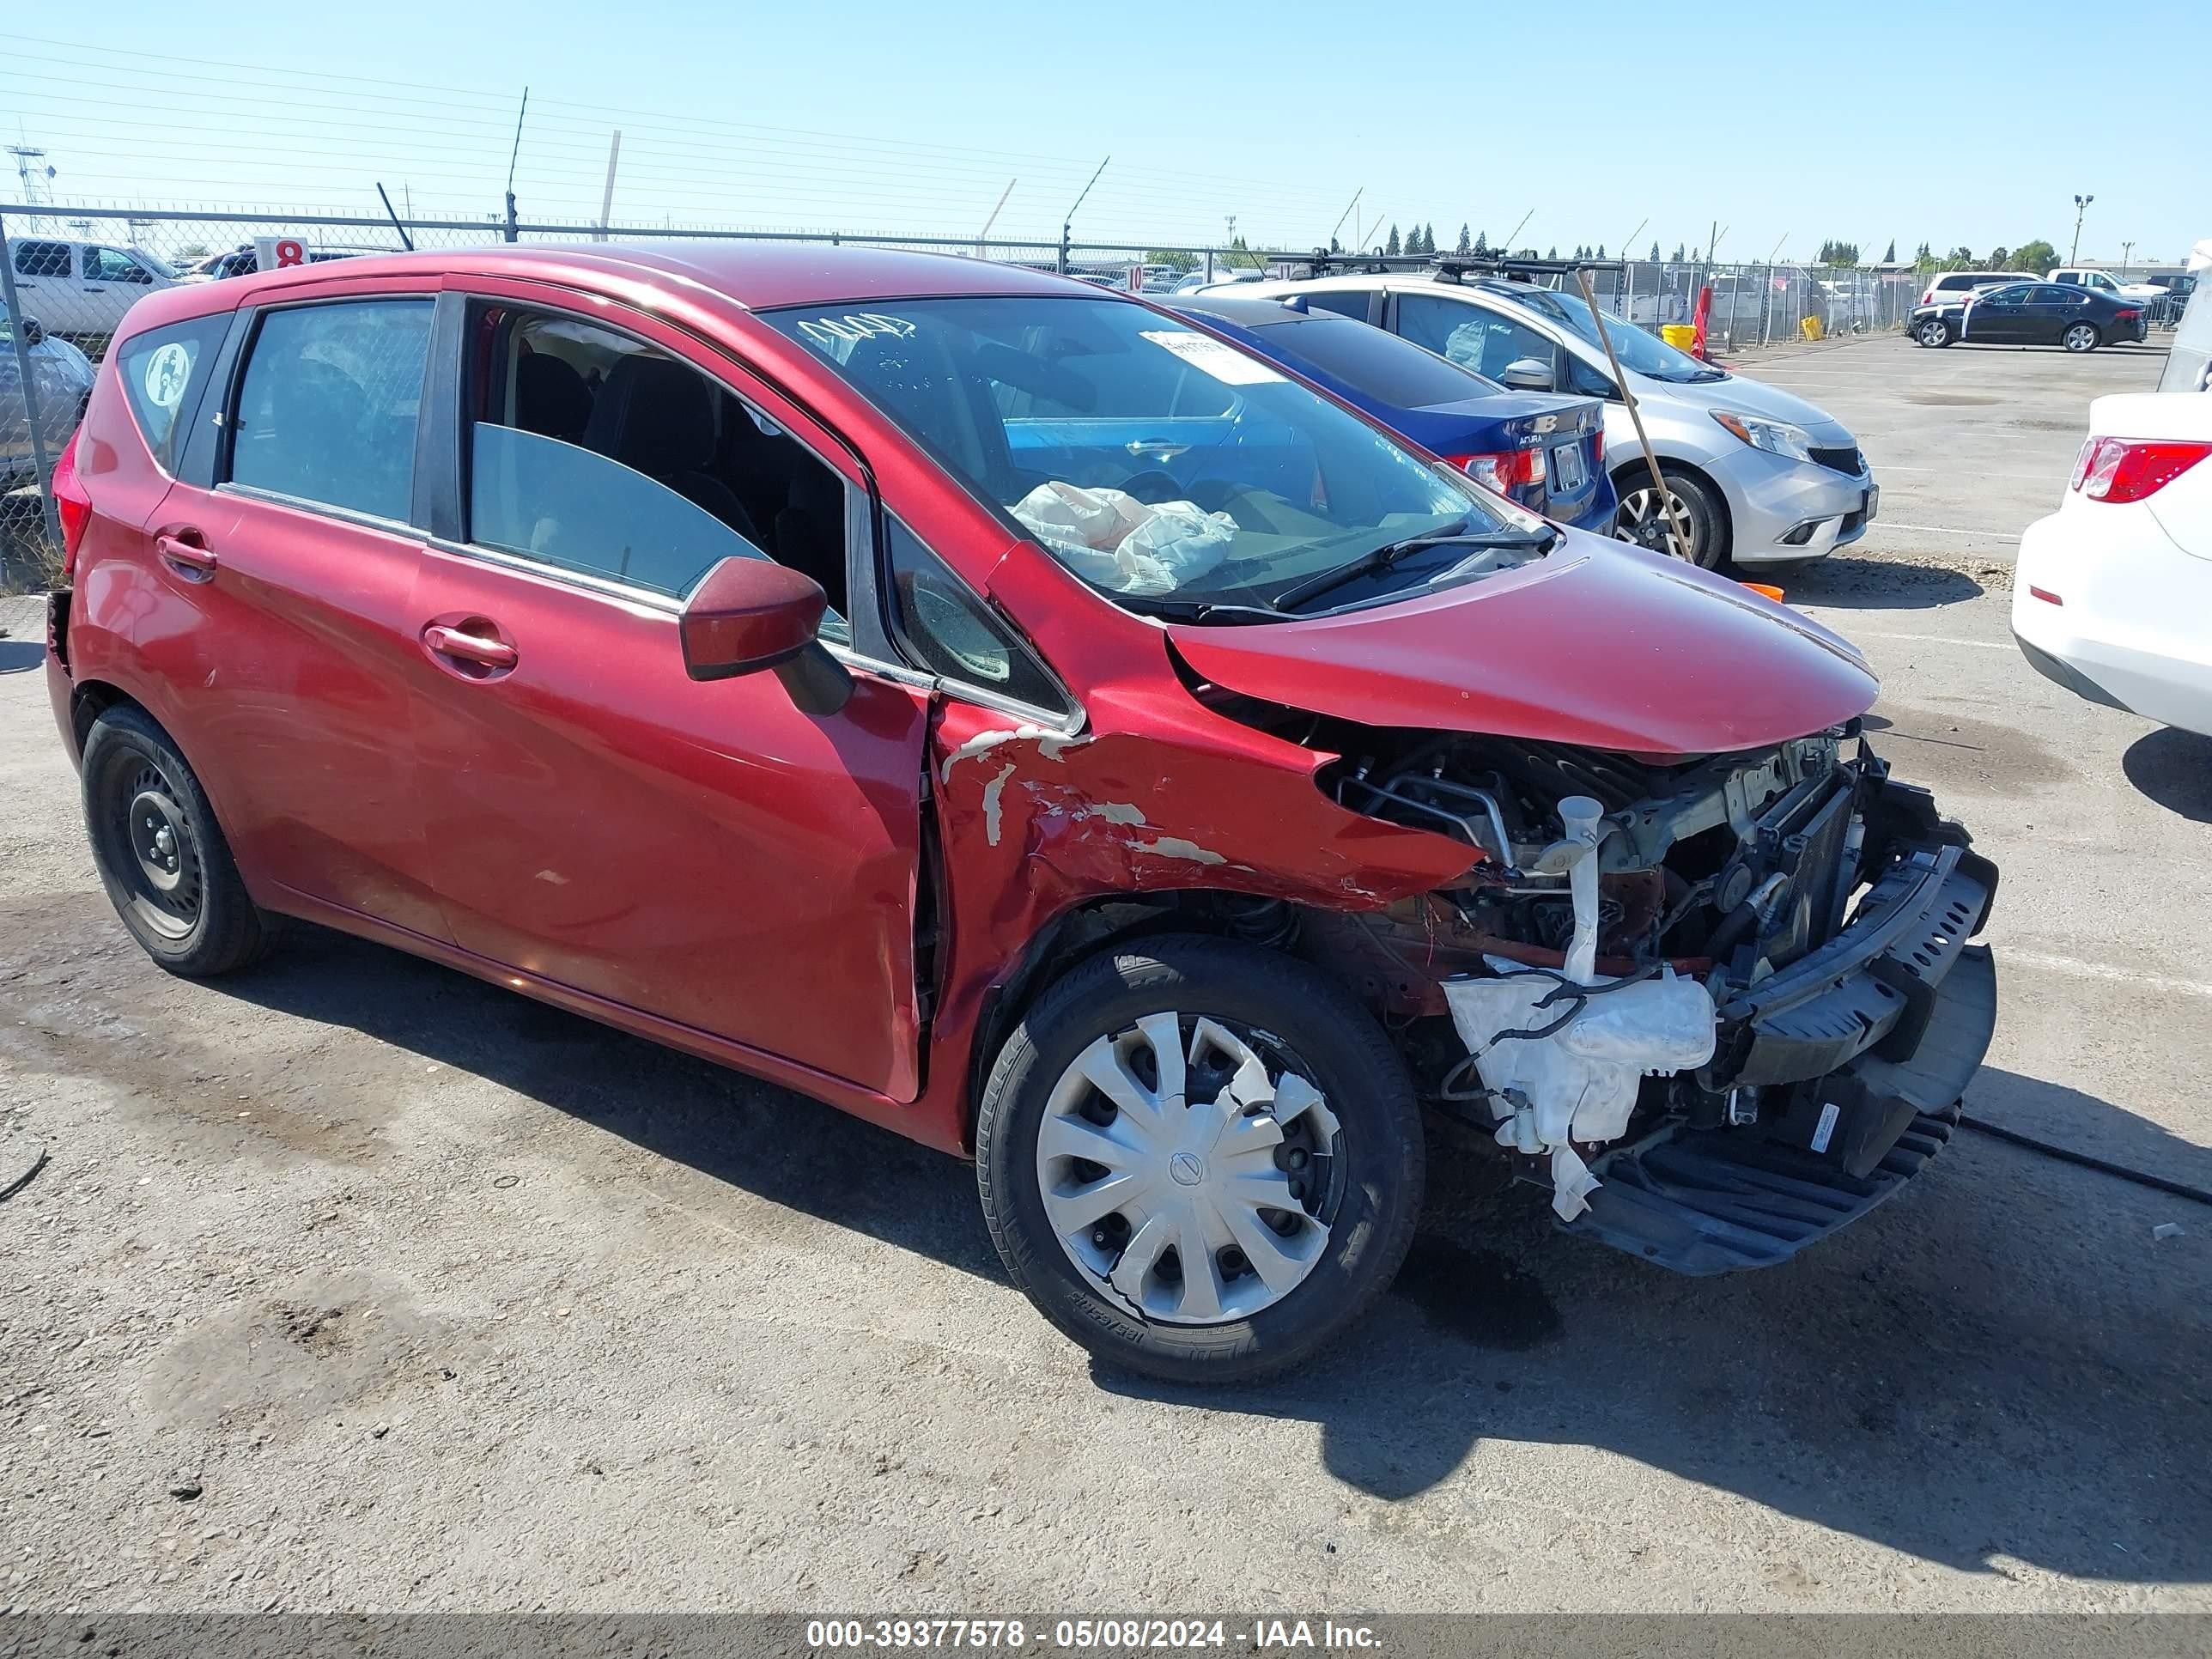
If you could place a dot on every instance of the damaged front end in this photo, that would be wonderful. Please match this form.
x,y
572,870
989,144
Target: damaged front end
x,y
1724,1004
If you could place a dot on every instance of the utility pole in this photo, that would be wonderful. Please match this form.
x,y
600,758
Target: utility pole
x,y
1067,225
2126,248
2080,207
607,200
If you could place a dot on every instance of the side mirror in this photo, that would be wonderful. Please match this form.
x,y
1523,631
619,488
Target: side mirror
x,y
751,614
1527,374
33,331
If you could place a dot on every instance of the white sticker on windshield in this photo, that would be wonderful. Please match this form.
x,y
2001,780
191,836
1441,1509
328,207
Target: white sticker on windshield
x,y
166,371
1225,363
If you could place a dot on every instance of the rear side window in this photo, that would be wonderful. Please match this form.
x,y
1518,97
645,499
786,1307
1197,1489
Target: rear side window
x,y
328,409
163,373
1381,366
1355,303
42,258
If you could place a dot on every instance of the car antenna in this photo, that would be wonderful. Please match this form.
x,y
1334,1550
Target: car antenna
x,y
1674,531
405,241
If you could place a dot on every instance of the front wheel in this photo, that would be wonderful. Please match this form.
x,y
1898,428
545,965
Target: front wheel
x,y
1934,332
2082,337
1645,520
1179,1185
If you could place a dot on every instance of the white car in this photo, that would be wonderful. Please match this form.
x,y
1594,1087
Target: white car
x,y
2112,591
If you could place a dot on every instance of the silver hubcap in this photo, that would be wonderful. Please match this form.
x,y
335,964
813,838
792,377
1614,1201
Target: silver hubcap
x,y
157,837
1932,334
1642,520
1187,1176
2080,337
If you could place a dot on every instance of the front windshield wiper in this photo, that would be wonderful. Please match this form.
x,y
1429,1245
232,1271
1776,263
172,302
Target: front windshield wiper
x,y
1200,610
1389,553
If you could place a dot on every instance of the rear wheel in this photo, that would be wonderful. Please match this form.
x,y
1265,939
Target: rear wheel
x,y
1933,333
1645,520
160,854
2082,337
1178,1185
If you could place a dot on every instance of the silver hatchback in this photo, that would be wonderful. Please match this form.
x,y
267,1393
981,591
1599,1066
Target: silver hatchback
x,y
1759,475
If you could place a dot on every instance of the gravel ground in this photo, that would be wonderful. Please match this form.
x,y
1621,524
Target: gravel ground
x,y
349,1282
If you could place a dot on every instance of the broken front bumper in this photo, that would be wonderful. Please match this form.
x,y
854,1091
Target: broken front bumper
x,y
1859,1052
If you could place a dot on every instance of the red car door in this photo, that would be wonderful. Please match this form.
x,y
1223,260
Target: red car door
x,y
706,853
276,610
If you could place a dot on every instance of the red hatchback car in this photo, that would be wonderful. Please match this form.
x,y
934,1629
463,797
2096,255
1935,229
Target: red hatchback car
x,y
1009,712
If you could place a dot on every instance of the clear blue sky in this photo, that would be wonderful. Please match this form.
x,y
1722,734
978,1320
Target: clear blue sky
x,y
1860,121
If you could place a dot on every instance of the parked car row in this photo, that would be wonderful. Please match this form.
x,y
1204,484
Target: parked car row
x,y
1079,733
1758,475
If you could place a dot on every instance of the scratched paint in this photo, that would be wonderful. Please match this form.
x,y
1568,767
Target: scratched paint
x,y
992,793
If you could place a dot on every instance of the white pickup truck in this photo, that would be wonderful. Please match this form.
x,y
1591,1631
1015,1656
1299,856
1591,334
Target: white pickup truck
x,y
2105,283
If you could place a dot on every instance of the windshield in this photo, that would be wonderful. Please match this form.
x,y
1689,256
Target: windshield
x,y
154,262
1639,353
1153,460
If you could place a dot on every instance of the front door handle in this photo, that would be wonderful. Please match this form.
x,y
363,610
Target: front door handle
x,y
469,647
185,550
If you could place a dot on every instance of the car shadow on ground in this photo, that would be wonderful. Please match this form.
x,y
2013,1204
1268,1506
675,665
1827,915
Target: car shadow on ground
x,y
2173,767
1960,1376
20,656
1869,584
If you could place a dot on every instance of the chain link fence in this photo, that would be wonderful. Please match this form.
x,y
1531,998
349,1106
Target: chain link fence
x,y
71,273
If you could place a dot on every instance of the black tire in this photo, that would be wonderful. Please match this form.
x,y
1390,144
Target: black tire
x,y
1337,1046
2088,334
1704,518
136,787
1933,333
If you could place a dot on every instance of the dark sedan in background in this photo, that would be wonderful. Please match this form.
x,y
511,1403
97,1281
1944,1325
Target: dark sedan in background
x,y
2030,314
1541,449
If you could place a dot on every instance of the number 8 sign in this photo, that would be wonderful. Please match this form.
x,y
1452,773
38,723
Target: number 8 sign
x,y
276,253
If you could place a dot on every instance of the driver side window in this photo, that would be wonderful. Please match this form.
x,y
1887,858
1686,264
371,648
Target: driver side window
x,y
1472,336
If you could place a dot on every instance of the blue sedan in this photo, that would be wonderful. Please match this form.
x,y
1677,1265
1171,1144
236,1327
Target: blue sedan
x,y
1542,450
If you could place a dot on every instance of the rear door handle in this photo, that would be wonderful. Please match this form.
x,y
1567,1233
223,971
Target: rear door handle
x,y
469,647
184,550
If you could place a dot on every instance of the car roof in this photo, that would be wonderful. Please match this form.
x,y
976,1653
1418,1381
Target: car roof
x,y
1248,312
755,275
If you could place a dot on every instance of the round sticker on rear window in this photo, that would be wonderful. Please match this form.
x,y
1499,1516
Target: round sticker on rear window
x,y
166,371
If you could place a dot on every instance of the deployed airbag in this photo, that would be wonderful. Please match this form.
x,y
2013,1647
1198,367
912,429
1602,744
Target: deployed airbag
x,y
1110,538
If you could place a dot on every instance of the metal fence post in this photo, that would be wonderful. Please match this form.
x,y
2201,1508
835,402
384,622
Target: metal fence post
x,y
38,465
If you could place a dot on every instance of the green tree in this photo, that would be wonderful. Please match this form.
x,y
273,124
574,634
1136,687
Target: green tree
x,y
1682,253
1959,258
1481,243
1998,256
1173,257
1465,246
1924,259
1393,245
1600,250
1332,245
1889,254
1655,250
2037,256
1554,251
